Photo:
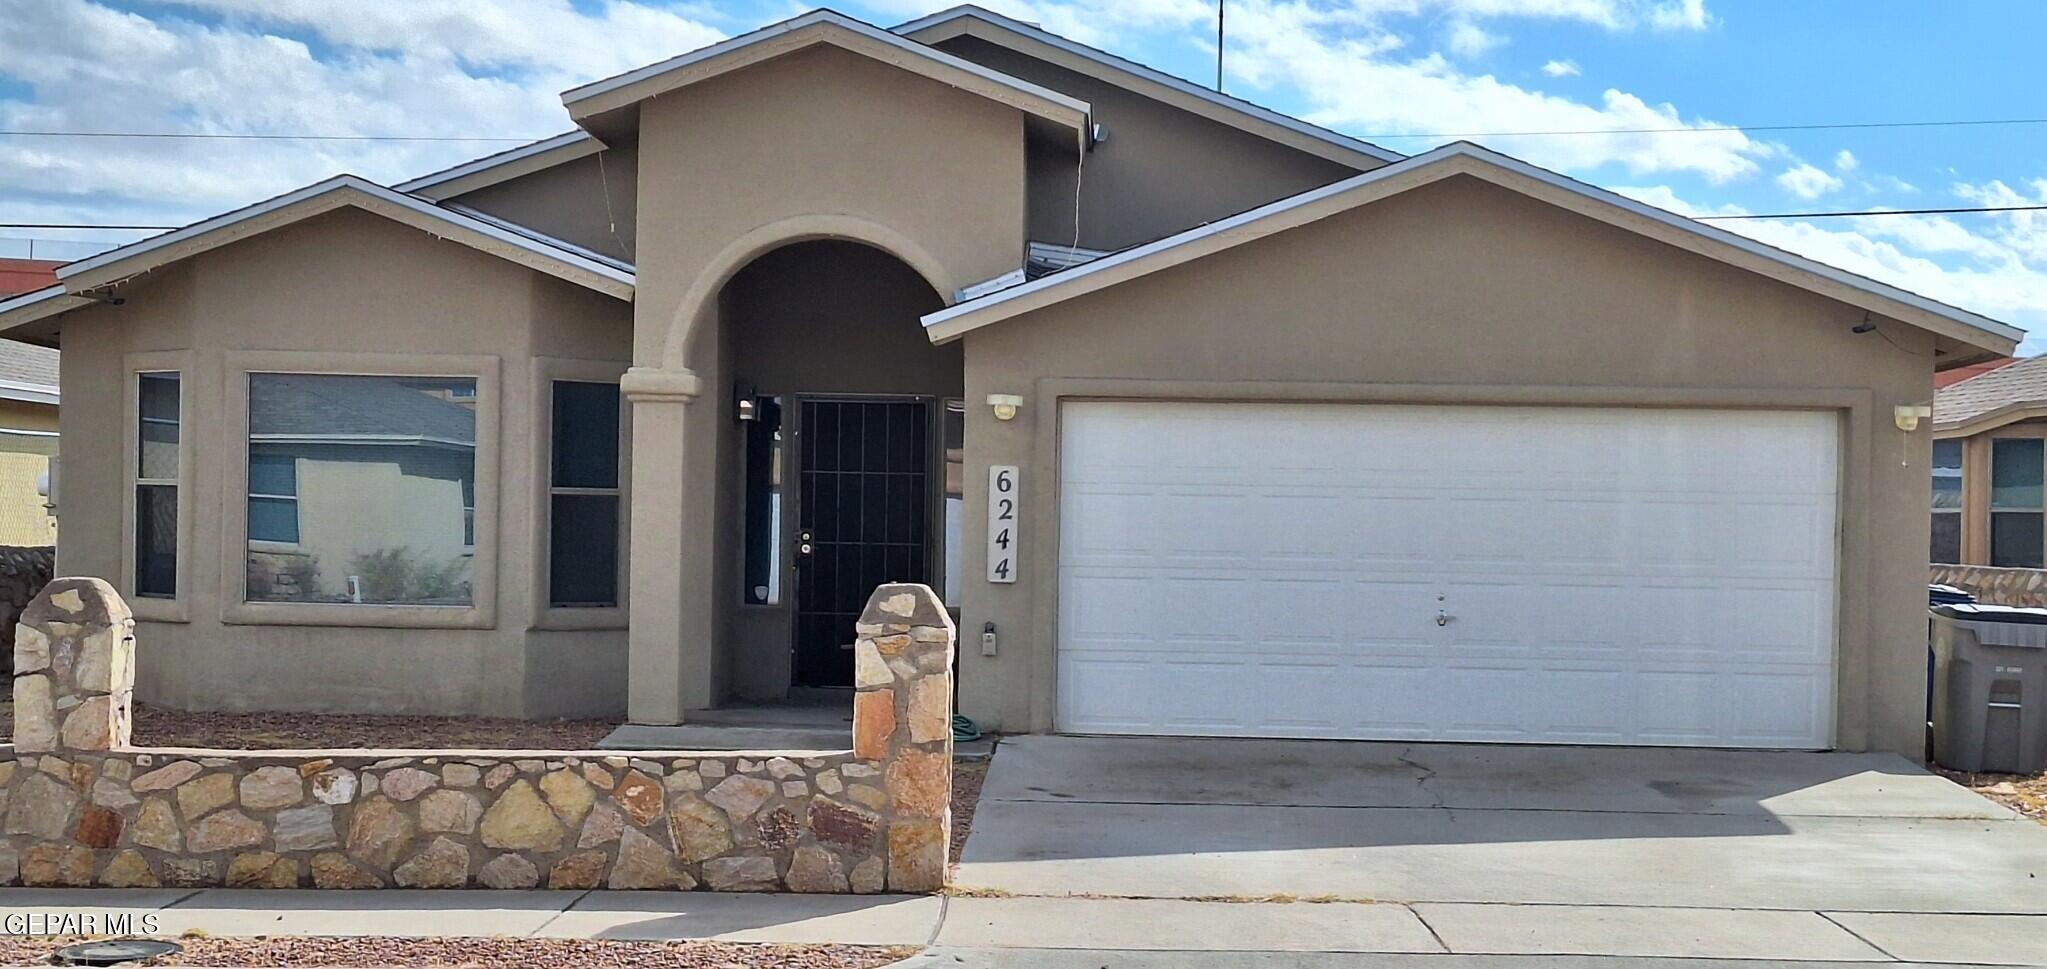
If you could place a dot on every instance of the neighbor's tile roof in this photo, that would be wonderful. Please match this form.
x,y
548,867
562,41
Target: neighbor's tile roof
x,y
26,275
2023,381
1948,378
349,406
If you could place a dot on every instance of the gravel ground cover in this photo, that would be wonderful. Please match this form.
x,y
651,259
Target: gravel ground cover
x,y
967,778
368,952
157,727
2024,794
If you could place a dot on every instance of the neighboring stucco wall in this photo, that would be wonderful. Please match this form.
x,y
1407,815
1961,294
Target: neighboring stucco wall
x,y
587,202
1160,171
24,457
1465,292
818,143
335,290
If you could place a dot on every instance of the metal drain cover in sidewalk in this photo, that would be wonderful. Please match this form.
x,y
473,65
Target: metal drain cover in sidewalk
x,y
113,952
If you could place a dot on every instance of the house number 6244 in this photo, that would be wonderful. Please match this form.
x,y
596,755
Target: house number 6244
x,y
1002,530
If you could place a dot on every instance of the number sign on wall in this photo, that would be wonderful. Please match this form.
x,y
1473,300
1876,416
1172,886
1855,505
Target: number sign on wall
x,y
1002,530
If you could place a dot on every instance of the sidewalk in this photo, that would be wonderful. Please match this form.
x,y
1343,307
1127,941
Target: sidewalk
x,y
881,920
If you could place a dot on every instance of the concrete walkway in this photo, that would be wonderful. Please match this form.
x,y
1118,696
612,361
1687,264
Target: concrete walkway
x,y
853,920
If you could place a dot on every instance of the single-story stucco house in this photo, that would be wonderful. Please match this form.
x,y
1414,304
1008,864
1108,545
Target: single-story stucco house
x,y
1207,421
1988,468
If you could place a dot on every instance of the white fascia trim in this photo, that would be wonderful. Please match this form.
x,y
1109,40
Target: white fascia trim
x,y
37,304
1462,157
492,169
1114,65
28,392
1067,110
331,194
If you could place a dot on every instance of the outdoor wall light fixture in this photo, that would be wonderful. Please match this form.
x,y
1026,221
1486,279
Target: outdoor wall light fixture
x,y
1908,416
1006,406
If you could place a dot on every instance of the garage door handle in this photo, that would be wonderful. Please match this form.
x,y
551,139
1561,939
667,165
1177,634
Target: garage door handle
x,y
1443,618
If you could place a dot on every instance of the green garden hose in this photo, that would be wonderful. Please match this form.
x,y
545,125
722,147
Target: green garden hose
x,y
964,730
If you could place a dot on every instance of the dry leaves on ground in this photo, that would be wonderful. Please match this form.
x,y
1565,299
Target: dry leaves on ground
x,y
365,952
2024,794
967,778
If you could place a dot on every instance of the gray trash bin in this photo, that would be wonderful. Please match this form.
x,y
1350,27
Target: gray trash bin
x,y
1990,688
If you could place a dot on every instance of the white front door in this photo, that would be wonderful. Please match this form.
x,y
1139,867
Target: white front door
x,y
1499,574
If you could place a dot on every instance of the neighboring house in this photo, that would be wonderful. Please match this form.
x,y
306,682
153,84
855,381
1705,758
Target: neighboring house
x,y
28,418
1989,504
1290,435
1948,378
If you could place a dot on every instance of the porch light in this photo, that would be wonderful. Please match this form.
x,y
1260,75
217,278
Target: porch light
x,y
1006,406
1908,416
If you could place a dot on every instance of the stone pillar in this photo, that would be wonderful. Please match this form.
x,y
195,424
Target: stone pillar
x,y
74,669
902,717
669,640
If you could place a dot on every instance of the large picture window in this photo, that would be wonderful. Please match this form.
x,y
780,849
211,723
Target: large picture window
x,y
159,416
361,489
1946,548
584,496
2016,510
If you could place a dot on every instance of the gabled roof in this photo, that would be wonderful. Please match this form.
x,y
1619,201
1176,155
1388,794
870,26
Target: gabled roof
x,y
1464,158
970,20
2013,392
503,166
524,248
823,27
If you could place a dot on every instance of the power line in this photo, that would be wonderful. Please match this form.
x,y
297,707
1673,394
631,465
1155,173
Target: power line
x,y
1966,210
1814,126
1835,126
1842,215
223,136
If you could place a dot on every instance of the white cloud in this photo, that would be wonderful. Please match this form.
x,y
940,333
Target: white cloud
x,y
1845,161
1990,269
1468,40
436,67
1563,68
1680,15
1808,181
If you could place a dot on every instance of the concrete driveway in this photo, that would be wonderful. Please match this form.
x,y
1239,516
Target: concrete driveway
x,y
1494,851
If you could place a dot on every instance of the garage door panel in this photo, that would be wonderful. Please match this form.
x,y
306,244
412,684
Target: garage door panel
x,y
1612,576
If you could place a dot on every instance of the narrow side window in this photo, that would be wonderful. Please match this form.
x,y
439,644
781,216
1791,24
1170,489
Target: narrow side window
x,y
158,416
583,496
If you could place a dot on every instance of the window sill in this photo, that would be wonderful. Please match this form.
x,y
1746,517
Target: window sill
x,y
351,614
153,609
569,619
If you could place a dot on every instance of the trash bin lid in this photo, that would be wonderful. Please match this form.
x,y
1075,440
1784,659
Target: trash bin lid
x,y
1941,595
1980,612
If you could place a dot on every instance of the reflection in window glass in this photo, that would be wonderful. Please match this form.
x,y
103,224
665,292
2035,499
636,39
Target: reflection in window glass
x,y
954,436
2015,494
156,485
764,471
1946,547
361,489
583,511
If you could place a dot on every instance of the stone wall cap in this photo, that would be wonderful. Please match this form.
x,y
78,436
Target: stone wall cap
x,y
77,599
906,604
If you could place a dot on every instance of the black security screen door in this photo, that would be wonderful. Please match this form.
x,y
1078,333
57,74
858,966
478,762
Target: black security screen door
x,y
862,517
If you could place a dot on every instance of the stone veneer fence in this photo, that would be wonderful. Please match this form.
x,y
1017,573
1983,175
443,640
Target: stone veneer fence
x,y
83,807
2004,587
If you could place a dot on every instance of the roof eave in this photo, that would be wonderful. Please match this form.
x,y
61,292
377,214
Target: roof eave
x,y
334,193
599,98
30,307
504,166
1462,158
1028,39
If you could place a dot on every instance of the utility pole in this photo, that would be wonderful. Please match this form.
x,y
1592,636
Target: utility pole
x,y
1219,4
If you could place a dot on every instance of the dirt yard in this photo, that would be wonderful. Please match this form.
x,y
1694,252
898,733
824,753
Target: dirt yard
x,y
2026,795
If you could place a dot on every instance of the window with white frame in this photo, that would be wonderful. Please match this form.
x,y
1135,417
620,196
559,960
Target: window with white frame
x,y
159,416
2017,512
1946,548
583,495
361,489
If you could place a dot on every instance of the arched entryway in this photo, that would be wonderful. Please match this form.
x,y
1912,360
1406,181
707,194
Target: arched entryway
x,y
837,456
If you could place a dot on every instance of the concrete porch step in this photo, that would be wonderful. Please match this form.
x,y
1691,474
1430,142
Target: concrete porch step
x,y
712,736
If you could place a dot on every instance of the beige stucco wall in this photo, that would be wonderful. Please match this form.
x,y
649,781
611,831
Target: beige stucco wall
x,y
24,457
589,202
818,143
1465,292
332,292
1160,170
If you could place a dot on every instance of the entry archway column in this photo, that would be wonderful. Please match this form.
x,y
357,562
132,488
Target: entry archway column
x,y
669,664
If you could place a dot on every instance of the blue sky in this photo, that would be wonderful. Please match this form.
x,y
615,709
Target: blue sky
x,y
1368,67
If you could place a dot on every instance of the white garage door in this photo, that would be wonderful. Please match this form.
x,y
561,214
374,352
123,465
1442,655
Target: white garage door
x,y
1541,575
